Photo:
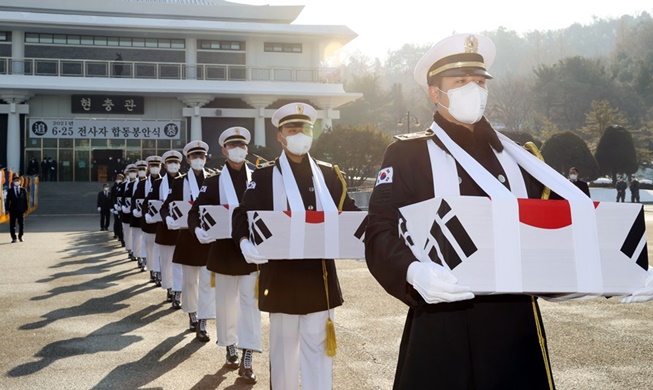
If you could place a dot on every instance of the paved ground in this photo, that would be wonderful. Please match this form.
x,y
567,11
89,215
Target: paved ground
x,y
78,315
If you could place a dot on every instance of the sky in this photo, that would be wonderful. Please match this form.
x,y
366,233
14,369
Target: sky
x,y
384,25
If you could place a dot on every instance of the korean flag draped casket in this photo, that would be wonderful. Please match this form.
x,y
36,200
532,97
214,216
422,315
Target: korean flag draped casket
x,y
457,232
139,205
308,235
154,209
126,205
216,220
118,205
179,212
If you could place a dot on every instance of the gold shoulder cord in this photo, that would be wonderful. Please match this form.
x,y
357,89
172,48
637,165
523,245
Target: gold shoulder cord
x,y
545,195
331,343
536,152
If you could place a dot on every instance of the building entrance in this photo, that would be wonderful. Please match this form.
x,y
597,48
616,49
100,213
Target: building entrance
x,y
106,163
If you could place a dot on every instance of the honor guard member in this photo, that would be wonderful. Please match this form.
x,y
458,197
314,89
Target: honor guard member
x,y
138,194
125,215
149,231
116,192
166,239
238,319
104,206
197,295
299,294
17,206
453,339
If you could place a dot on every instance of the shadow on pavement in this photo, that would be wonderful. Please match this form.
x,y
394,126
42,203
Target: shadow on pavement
x,y
109,338
215,380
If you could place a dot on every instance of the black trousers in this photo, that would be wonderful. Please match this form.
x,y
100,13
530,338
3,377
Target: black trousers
x,y
12,225
117,227
105,219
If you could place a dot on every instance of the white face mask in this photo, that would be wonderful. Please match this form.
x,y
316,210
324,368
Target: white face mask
x,y
118,181
172,168
155,170
299,144
573,177
132,175
142,173
197,164
237,154
16,183
467,103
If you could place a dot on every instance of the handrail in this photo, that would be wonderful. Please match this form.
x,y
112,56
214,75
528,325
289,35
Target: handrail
x,y
61,67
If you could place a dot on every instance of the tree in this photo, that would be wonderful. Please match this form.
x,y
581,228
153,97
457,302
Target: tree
x,y
521,137
601,115
616,153
565,150
357,150
511,102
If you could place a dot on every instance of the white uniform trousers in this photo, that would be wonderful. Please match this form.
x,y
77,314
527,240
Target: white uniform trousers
x,y
127,234
152,252
298,344
197,295
238,319
137,241
177,277
165,256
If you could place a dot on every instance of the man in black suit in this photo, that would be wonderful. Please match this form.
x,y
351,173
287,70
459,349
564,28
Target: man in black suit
x,y
582,185
17,206
104,206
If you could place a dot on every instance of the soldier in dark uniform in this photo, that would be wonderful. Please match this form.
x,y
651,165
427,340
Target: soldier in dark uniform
x,y
294,291
138,193
104,206
463,341
116,192
152,263
197,295
125,209
238,319
165,240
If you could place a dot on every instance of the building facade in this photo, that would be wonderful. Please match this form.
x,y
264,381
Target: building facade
x,y
85,82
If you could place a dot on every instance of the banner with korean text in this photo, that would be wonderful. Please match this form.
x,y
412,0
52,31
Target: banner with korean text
x,y
104,128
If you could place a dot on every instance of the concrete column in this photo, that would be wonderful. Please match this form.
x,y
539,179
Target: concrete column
x,y
259,103
196,125
194,102
191,59
17,52
13,138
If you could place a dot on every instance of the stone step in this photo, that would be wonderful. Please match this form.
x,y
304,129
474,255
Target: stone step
x,y
57,198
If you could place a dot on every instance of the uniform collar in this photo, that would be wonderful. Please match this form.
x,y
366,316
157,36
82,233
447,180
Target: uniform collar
x,y
482,134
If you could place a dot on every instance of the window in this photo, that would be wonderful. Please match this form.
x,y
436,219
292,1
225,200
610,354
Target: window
x,y
60,39
90,40
278,47
102,41
74,39
221,45
4,36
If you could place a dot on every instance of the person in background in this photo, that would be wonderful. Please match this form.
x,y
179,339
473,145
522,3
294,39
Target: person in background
x,y
116,192
634,190
104,206
582,185
17,207
621,190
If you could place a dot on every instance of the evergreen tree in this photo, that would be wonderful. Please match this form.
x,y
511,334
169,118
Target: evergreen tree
x,y
565,150
616,153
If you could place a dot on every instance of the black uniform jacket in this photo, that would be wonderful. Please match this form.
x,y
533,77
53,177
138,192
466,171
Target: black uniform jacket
x,y
149,228
116,191
164,236
292,286
139,193
188,250
127,192
489,342
225,256
16,205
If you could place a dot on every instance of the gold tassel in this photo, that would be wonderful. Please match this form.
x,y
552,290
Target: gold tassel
x,y
546,192
212,279
331,343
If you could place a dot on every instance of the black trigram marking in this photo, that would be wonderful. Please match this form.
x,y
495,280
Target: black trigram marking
x,y
634,237
360,232
259,232
128,202
119,201
176,213
403,232
207,221
139,205
438,245
151,210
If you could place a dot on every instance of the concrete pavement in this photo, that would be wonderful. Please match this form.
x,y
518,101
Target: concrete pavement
x,y
77,314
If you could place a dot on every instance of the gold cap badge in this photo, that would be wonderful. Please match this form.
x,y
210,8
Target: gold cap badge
x,y
471,44
237,131
300,109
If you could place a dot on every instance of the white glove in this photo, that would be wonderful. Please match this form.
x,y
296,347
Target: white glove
x,y
148,219
435,283
125,210
137,213
251,254
172,224
116,207
641,294
202,236
99,209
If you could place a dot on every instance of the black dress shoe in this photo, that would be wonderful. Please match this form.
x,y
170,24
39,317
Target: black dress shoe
x,y
13,240
245,372
200,333
20,239
232,361
169,295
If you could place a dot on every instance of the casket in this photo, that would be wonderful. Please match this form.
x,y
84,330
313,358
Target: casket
x,y
179,212
154,210
216,221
